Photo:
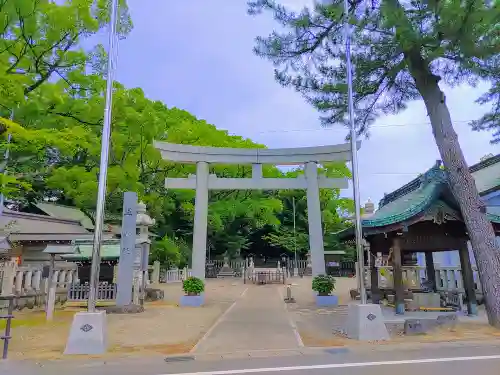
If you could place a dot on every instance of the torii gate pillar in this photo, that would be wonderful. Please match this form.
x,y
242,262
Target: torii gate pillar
x,y
200,220
314,220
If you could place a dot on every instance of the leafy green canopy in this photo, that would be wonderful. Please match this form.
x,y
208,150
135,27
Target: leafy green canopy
x,y
42,39
458,40
68,160
55,90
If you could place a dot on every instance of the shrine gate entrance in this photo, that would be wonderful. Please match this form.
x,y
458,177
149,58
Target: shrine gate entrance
x,y
203,181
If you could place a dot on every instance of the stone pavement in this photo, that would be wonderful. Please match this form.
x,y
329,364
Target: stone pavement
x,y
258,320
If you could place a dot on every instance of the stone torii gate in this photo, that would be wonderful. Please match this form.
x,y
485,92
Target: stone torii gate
x,y
203,181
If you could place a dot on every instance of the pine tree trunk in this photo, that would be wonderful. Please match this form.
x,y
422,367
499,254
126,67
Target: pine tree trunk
x,y
480,230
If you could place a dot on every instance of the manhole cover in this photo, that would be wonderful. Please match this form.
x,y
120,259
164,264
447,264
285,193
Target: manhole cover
x,y
179,359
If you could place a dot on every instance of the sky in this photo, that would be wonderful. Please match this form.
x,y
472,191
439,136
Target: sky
x,y
197,55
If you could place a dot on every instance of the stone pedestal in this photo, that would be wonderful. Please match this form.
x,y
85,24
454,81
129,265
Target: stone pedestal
x,y
226,270
366,323
88,334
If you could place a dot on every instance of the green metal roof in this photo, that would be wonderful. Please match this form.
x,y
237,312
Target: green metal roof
x,y
84,252
396,209
420,194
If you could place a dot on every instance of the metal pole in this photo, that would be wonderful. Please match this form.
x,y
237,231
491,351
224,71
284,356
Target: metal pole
x,y
8,323
103,168
294,237
354,156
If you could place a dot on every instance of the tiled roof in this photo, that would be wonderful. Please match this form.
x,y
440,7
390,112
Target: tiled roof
x,y
421,193
66,212
84,252
403,206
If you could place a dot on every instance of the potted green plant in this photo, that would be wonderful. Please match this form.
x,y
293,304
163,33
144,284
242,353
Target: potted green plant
x,y
194,288
323,285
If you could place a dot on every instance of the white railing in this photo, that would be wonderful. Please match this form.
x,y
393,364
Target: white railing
x,y
234,264
176,275
27,280
448,279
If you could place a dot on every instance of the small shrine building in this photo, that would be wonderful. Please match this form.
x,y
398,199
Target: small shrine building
x,y
424,217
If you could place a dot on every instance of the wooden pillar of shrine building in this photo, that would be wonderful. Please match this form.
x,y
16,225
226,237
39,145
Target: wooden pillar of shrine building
x,y
468,279
430,270
397,275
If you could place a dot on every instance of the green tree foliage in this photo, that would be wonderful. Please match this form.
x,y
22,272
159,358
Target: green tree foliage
x,y
29,153
41,40
167,252
402,50
491,120
70,175
55,89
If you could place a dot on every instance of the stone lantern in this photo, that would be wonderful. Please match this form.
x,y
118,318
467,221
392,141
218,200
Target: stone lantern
x,y
142,245
143,221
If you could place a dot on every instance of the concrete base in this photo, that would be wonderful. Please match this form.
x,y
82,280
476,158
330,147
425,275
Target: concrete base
x,y
88,334
327,301
193,301
366,323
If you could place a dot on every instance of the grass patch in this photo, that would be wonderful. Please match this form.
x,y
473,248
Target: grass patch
x,y
37,318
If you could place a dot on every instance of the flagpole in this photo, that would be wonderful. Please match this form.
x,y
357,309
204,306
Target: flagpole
x,y
103,168
354,157
296,267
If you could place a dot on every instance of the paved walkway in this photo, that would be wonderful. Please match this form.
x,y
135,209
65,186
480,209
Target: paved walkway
x,y
258,320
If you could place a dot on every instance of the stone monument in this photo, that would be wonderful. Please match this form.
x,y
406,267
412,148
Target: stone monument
x,y
226,270
127,250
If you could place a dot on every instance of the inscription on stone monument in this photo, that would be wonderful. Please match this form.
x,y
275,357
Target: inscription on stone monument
x,y
127,253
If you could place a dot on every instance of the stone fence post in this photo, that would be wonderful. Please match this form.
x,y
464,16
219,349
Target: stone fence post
x,y
155,277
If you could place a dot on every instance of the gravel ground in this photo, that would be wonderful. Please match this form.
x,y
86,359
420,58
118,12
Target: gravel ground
x,y
164,327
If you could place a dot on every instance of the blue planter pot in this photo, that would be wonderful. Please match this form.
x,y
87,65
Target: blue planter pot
x,y
327,300
193,301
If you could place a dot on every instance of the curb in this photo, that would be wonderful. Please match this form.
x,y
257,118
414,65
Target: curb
x,y
339,350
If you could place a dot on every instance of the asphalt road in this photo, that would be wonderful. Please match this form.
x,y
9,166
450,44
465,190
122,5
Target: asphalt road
x,y
435,359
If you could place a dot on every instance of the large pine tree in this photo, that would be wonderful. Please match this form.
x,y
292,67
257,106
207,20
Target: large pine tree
x,y
402,51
